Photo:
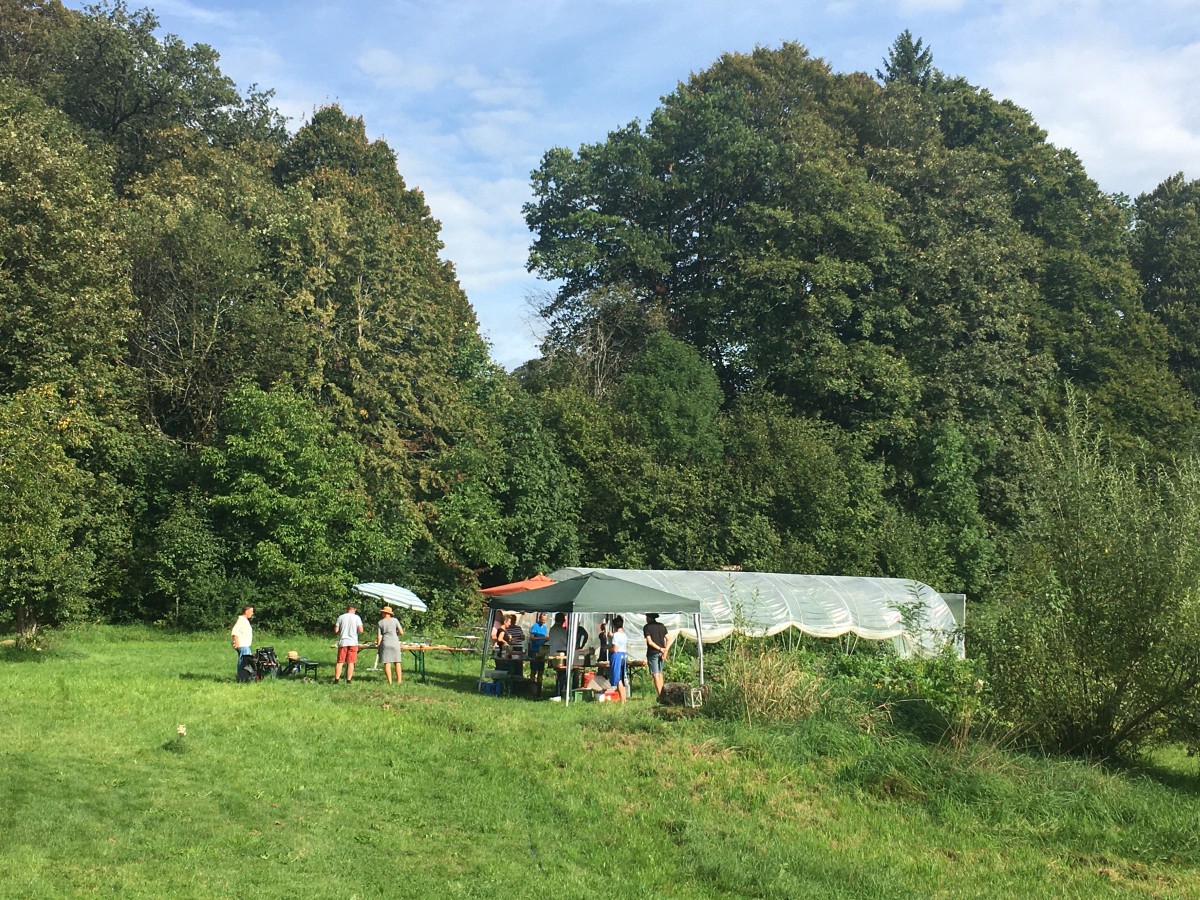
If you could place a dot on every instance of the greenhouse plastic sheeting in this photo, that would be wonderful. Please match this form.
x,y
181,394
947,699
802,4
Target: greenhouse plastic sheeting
x,y
820,605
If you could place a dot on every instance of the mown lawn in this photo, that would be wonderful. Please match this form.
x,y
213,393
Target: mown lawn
x,y
306,789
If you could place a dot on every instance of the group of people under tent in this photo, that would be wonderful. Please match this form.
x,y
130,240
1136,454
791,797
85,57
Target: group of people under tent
x,y
348,627
510,640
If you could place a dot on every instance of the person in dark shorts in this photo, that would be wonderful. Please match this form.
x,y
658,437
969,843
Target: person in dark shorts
x,y
655,634
604,642
557,642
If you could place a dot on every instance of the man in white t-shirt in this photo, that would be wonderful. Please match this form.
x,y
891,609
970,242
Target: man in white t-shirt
x,y
242,635
348,627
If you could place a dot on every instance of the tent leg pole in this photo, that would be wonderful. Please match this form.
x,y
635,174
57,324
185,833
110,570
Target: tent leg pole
x,y
487,643
699,646
572,635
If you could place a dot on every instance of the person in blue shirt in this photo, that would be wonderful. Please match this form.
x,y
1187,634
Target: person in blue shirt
x,y
539,634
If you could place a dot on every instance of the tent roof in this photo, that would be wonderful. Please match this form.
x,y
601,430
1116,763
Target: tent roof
x,y
911,614
529,584
598,592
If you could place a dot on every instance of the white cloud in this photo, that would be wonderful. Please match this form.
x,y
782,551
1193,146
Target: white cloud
x,y
506,138
507,87
190,12
486,238
1130,114
916,7
386,69
482,228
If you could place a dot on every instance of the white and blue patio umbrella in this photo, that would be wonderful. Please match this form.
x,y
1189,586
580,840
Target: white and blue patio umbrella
x,y
392,595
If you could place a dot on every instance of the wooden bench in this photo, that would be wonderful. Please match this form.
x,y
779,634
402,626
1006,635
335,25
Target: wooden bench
x,y
300,666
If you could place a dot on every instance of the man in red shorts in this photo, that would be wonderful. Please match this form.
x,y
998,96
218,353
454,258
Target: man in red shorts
x,y
349,626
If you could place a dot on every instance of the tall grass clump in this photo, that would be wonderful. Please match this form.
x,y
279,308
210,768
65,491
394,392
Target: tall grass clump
x,y
764,687
940,699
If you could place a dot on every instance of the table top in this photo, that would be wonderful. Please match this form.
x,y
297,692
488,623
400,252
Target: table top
x,y
560,660
403,646
560,663
445,648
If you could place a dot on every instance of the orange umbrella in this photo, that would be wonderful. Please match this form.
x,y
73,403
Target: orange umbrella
x,y
529,584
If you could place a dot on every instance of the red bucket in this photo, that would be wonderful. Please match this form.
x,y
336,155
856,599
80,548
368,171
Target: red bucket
x,y
587,678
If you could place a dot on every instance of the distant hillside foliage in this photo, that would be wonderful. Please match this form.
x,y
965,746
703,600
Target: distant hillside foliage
x,y
800,321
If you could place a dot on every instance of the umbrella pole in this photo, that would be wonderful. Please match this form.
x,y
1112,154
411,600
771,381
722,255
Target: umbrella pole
x,y
487,643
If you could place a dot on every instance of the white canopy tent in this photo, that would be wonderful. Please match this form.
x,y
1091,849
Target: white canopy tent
x,y
912,615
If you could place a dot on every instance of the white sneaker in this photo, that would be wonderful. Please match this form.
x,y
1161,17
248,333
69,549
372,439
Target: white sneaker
x,y
556,699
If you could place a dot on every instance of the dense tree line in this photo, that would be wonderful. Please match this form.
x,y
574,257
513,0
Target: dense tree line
x,y
803,321
889,282
234,366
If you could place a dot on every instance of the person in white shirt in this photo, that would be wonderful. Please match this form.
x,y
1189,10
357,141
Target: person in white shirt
x,y
348,627
620,653
242,635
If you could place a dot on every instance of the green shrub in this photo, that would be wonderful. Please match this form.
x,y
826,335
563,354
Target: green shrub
x,y
1094,644
937,698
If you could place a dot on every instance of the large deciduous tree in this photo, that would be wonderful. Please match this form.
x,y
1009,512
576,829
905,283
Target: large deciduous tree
x,y
1166,254
394,353
65,312
202,234
65,291
47,555
286,496
910,261
141,96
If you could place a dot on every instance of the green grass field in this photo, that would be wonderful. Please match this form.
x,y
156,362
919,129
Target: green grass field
x,y
305,789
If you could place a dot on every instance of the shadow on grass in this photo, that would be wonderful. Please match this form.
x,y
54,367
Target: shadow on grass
x,y
229,679
1168,776
464,682
33,655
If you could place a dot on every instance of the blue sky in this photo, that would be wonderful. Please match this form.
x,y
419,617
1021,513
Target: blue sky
x,y
471,93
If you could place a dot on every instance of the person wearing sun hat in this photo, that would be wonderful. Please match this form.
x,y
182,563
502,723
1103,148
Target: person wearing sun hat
x,y
387,642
